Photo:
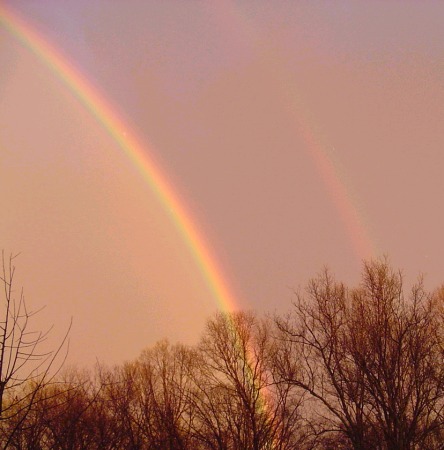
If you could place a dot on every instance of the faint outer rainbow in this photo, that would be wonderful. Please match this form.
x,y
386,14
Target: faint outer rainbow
x,y
335,184
107,116
363,247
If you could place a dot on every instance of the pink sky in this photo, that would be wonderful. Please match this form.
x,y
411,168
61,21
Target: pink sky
x,y
238,101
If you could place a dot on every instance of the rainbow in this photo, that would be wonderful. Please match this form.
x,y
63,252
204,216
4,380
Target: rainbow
x,y
105,113
336,187
362,245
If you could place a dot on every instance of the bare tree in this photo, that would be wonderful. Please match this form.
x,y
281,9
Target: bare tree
x,y
396,345
25,369
316,360
238,400
120,398
369,361
164,385
148,399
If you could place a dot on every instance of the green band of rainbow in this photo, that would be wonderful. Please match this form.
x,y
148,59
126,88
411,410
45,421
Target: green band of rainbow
x,y
107,116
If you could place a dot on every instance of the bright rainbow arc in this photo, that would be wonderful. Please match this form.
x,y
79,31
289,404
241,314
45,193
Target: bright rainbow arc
x,y
106,115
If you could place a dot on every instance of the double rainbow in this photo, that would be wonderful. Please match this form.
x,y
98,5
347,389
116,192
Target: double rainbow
x,y
107,116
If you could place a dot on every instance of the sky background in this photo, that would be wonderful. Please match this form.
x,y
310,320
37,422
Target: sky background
x,y
297,133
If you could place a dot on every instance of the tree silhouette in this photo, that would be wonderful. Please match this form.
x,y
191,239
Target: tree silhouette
x,y
369,359
25,369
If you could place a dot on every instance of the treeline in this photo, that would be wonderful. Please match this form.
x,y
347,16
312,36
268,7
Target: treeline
x,y
346,368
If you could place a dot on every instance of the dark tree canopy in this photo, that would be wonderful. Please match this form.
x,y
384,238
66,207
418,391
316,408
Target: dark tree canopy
x,y
347,368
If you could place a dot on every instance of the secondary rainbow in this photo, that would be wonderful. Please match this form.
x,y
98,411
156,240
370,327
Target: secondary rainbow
x,y
340,195
107,116
336,187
